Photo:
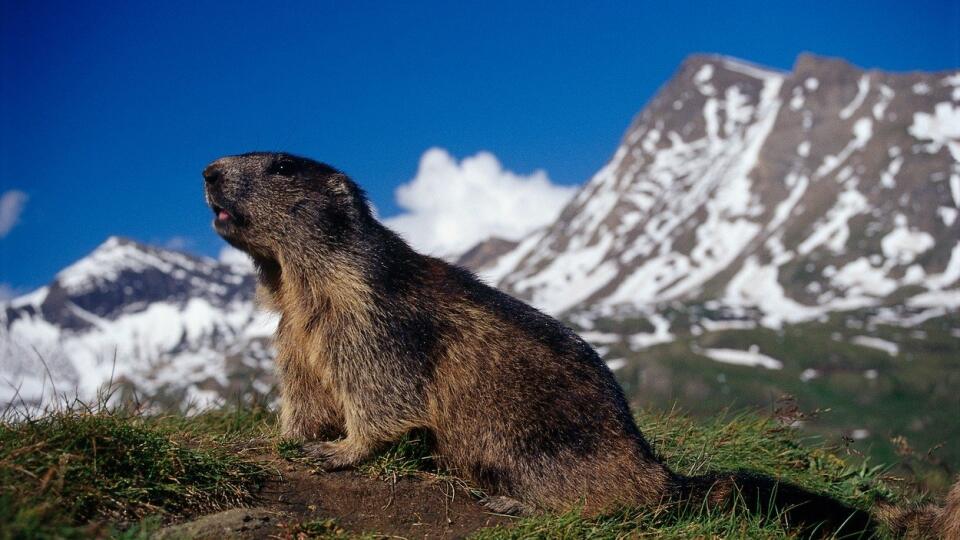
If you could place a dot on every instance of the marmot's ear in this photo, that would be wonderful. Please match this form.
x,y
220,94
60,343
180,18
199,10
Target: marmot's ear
x,y
340,184
351,196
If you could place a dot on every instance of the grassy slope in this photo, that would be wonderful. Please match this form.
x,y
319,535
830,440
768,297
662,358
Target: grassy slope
x,y
909,407
79,474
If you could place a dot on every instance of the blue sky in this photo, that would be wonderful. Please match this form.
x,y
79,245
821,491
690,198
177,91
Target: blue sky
x,y
109,110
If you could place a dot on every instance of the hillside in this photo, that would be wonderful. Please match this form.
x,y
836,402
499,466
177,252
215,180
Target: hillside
x,y
98,473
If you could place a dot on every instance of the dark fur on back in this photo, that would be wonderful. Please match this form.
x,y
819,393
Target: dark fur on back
x,y
376,340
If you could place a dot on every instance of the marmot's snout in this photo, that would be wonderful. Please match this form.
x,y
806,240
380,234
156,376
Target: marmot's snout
x,y
213,174
216,179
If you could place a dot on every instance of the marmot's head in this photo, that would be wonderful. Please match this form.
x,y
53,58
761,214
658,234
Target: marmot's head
x,y
269,204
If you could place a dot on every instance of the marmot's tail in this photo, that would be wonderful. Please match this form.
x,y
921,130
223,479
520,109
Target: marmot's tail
x,y
928,521
819,515
803,510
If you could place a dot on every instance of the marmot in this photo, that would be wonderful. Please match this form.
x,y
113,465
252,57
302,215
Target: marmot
x,y
376,340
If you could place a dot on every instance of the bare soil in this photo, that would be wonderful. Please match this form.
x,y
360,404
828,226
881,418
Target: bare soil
x,y
425,506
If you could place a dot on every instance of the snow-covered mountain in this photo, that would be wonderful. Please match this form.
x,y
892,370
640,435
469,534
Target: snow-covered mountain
x,y
162,321
789,194
763,195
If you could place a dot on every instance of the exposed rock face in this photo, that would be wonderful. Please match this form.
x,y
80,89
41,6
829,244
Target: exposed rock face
x,y
827,188
485,251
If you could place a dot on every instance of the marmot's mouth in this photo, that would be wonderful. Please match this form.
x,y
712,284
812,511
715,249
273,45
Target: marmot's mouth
x,y
221,213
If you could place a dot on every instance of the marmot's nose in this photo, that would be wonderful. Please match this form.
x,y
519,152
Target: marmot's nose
x,y
212,174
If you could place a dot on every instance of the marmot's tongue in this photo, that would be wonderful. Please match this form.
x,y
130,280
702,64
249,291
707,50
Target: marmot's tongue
x,y
223,216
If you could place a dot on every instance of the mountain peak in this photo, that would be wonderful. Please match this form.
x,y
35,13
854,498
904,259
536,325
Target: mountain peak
x,y
697,61
116,241
811,64
117,255
792,193
137,303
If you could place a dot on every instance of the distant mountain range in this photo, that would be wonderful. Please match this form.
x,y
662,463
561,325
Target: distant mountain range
x,y
162,322
790,195
759,197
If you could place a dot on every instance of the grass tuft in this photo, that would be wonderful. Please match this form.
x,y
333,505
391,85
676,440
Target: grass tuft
x,y
63,473
747,441
408,457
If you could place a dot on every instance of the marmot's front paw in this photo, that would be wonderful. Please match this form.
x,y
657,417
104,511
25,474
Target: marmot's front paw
x,y
334,455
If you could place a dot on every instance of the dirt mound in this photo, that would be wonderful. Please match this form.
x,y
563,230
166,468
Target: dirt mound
x,y
300,499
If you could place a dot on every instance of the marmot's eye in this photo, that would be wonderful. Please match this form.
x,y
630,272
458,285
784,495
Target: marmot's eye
x,y
283,167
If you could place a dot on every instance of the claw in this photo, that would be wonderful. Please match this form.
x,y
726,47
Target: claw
x,y
333,456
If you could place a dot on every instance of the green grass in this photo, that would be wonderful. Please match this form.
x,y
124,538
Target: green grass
x,y
746,441
911,397
639,524
722,443
74,472
77,474
411,455
243,420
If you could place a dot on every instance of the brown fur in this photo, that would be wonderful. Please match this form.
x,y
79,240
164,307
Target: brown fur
x,y
928,521
376,340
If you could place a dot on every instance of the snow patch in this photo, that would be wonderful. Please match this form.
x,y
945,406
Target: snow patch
x,y
834,230
862,132
600,338
902,244
871,342
888,177
730,324
860,277
941,127
751,357
616,363
756,285
880,107
950,274
936,299
948,215
236,259
661,334
863,87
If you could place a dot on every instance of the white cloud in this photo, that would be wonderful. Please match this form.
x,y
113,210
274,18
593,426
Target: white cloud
x,y
449,207
236,258
11,206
